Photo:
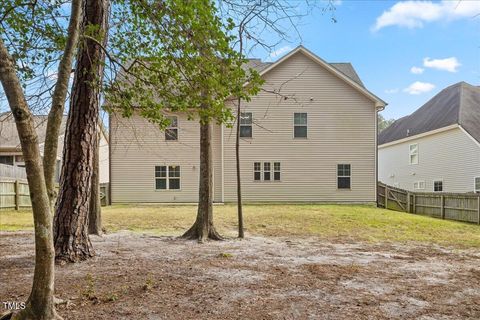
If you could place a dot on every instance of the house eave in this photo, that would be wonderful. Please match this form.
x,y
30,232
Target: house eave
x,y
421,135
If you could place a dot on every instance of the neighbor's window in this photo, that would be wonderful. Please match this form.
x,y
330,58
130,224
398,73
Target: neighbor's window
x,y
343,176
276,171
477,184
6,160
419,185
167,177
171,132
300,125
246,125
413,152
257,171
266,171
438,186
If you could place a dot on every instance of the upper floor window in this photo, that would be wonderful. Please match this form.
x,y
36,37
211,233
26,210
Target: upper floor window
x,y
171,132
300,125
246,125
344,176
438,185
167,177
477,184
413,153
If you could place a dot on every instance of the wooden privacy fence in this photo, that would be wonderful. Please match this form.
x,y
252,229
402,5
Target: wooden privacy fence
x,y
14,194
13,172
451,206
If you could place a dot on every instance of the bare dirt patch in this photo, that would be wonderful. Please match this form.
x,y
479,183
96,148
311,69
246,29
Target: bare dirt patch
x,y
144,277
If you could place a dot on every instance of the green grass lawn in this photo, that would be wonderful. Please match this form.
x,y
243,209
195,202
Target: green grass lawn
x,y
348,222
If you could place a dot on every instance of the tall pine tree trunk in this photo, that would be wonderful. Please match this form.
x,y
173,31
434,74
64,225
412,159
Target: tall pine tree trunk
x,y
203,227
40,303
71,217
94,217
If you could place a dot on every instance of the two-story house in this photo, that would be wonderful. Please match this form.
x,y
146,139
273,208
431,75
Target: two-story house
x,y
436,148
309,136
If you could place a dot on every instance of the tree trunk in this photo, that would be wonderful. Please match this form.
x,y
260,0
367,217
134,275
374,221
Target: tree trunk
x,y
55,116
239,184
40,303
94,217
203,227
71,239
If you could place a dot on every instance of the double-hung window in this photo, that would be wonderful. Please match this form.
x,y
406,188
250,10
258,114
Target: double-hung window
x,y
246,125
171,132
438,186
344,176
266,171
276,171
167,177
413,153
257,171
419,185
300,125
477,184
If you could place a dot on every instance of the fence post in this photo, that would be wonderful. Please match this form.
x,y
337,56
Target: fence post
x,y
442,206
414,204
408,202
17,195
478,211
386,197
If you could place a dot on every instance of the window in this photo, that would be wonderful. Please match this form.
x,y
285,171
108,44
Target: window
x,y
262,171
343,176
300,125
257,171
167,178
246,125
6,160
477,184
438,186
171,132
413,152
266,171
276,171
419,185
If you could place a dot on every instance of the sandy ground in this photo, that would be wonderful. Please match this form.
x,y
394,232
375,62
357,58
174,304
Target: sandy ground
x,y
143,277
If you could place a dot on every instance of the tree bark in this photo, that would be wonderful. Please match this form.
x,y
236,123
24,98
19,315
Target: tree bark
x,y
94,217
241,233
40,303
71,239
55,115
203,228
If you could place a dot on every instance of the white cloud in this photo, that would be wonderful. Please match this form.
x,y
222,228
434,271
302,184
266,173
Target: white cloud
x,y
419,87
413,14
448,64
390,91
416,70
280,51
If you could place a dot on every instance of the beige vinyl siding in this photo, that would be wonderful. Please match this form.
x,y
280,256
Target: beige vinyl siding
x,y
341,129
103,160
137,146
450,156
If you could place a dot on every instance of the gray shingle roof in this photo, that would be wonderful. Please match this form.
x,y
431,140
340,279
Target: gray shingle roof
x,y
456,104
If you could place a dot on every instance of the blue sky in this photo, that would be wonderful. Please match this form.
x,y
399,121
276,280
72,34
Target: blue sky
x,y
384,40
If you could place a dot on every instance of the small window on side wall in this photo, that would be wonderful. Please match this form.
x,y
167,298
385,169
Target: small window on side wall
x,y
300,125
344,176
477,184
413,153
419,185
246,125
167,177
438,186
171,132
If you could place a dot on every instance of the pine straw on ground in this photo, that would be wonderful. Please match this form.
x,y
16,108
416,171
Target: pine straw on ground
x,y
137,276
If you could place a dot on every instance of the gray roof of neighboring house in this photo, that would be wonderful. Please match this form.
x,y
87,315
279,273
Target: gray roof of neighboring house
x,y
345,67
456,104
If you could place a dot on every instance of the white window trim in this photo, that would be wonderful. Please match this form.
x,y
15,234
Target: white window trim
x,y
475,184
350,176
171,127
246,125
167,178
410,154
299,125
272,171
433,185
419,183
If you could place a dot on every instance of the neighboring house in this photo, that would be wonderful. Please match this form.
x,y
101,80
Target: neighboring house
x,y
436,148
11,152
309,136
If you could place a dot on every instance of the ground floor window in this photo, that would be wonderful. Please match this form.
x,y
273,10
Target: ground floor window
x,y
438,186
262,171
419,185
167,177
6,160
477,184
344,176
